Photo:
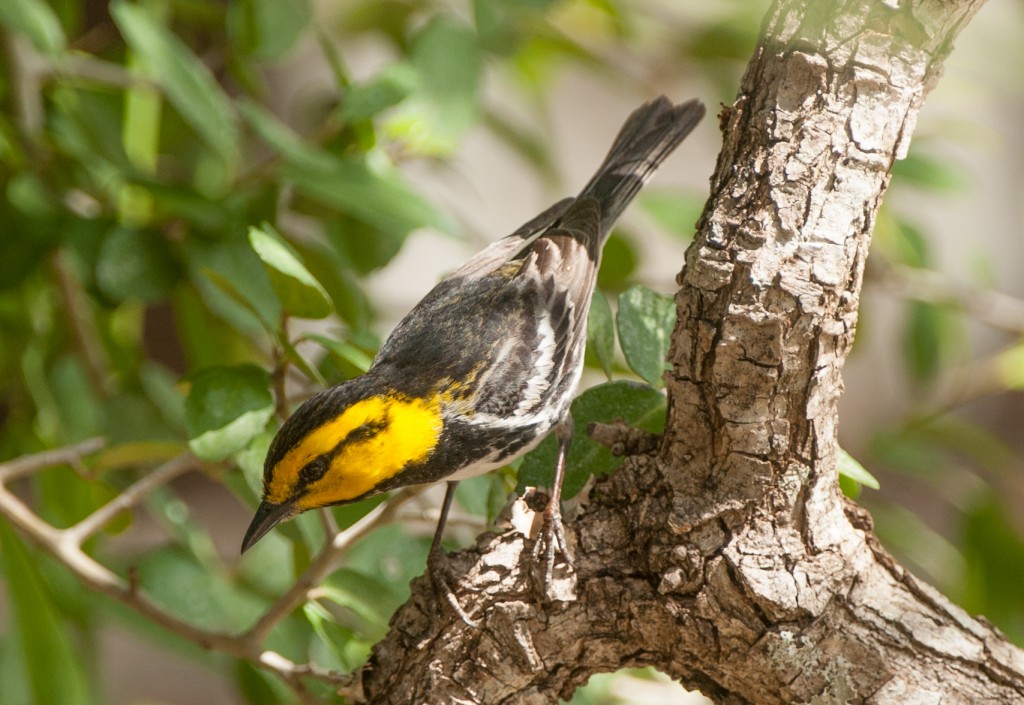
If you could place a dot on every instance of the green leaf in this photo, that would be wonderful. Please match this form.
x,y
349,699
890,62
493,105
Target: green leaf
x,y
389,553
504,25
363,248
993,551
135,265
1009,365
226,408
135,453
87,125
638,405
160,385
674,211
909,449
140,132
388,88
346,351
378,197
910,245
849,467
176,200
528,143
375,196
267,29
186,81
723,40
284,141
368,596
250,461
37,235
299,292
922,549
333,635
928,172
130,416
966,440
37,21
259,687
601,332
446,57
293,355
645,324
479,495
55,673
77,406
618,262
190,591
931,338
233,282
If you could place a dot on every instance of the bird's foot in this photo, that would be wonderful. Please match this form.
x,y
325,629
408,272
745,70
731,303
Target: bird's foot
x,y
551,545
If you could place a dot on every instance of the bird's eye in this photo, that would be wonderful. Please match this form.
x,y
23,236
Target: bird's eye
x,y
313,470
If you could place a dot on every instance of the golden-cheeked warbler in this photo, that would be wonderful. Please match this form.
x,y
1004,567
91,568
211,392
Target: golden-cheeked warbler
x,y
483,368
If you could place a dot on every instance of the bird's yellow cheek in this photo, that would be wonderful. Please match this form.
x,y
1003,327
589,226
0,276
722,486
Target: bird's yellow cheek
x,y
410,431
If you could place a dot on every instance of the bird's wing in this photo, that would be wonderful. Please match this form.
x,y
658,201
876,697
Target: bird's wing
x,y
557,275
505,339
508,248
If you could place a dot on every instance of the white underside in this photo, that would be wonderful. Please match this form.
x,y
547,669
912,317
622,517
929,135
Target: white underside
x,y
546,416
490,463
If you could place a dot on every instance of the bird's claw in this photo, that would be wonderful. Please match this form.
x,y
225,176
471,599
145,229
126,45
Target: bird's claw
x,y
551,542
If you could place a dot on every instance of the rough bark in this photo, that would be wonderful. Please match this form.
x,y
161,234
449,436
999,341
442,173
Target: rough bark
x,y
728,558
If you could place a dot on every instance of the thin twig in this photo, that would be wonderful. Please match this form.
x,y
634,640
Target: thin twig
x,y
430,517
69,455
26,75
992,307
325,562
89,68
130,497
61,545
65,546
328,522
79,318
280,373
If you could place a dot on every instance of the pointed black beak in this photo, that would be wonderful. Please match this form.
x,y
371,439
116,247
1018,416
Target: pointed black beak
x,y
268,516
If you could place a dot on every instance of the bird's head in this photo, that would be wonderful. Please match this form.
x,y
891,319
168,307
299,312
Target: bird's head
x,y
339,446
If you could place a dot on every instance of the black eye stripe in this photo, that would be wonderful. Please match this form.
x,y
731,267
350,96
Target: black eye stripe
x,y
317,467
359,433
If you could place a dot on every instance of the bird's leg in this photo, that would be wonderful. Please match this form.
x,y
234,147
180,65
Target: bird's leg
x,y
552,532
436,562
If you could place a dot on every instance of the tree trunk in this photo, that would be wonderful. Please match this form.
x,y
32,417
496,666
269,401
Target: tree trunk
x,y
728,558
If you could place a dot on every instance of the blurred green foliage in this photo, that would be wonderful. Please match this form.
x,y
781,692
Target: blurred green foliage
x,y
167,216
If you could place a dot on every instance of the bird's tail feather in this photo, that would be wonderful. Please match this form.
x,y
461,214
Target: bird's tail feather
x,y
647,137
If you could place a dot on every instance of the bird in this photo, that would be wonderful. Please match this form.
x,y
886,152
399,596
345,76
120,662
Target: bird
x,y
482,368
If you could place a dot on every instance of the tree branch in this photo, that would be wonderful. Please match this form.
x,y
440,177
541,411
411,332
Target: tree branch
x,y
66,546
69,455
129,498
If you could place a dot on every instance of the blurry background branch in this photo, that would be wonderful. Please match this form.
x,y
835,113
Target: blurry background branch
x,y
66,546
991,307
